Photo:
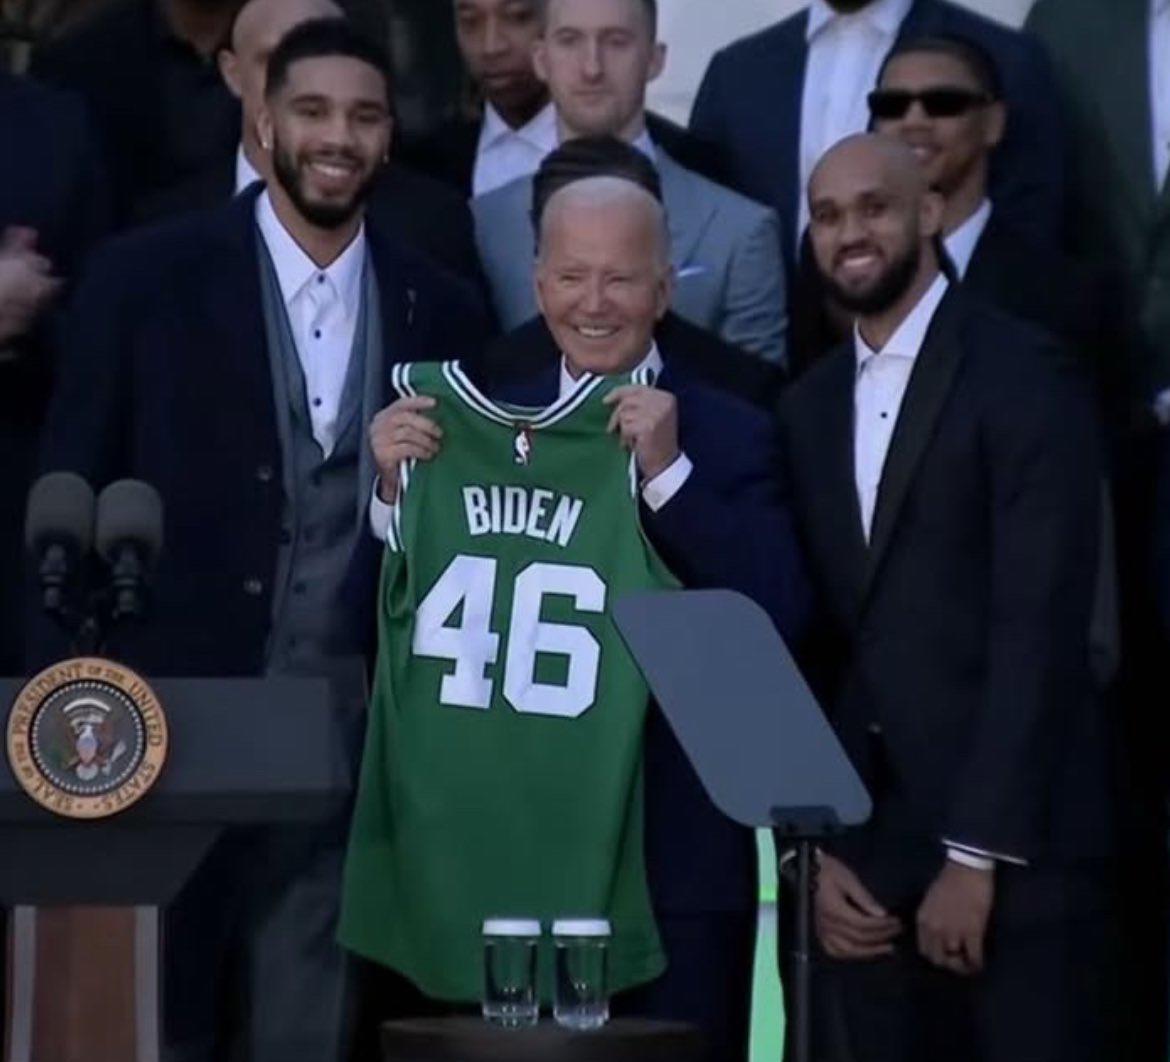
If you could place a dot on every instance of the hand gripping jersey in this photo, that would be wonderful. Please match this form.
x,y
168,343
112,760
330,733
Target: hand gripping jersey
x,y
502,769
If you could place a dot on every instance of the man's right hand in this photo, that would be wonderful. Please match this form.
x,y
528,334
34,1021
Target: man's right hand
x,y
398,433
850,923
27,283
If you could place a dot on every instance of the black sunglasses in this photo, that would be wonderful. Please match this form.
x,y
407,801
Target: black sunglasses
x,y
890,104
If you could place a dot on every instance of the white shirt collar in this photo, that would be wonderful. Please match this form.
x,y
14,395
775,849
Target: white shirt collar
x,y
540,131
907,339
652,361
295,269
246,173
885,15
961,243
1159,7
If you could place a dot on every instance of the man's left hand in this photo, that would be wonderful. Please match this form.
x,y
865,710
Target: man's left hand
x,y
647,420
952,921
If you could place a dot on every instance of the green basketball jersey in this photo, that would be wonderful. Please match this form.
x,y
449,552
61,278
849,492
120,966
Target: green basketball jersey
x,y
502,769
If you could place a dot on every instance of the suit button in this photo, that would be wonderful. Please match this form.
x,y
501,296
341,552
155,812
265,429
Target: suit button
x,y
265,473
253,587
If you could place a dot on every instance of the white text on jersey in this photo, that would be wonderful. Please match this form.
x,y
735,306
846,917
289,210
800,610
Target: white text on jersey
x,y
535,512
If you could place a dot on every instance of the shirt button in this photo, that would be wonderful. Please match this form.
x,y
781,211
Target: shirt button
x,y
253,587
316,401
320,278
316,333
264,473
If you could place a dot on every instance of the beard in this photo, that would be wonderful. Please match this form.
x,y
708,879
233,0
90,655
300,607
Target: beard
x,y
325,215
885,291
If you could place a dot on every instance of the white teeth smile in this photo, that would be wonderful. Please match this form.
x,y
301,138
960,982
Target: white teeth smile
x,y
595,333
859,261
331,170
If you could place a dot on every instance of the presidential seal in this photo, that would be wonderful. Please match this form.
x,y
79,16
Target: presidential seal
x,y
86,738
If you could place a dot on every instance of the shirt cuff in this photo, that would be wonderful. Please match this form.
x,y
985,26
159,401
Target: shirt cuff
x,y
1161,407
979,858
381,515
658,491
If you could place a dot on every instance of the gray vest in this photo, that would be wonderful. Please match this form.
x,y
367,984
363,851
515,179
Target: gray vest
x,y
325,498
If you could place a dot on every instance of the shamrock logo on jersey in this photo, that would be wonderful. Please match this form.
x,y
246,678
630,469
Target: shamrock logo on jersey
x,y
522,445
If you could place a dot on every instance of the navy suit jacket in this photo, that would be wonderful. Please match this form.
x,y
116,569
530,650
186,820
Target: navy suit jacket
x,y
749,105
728,526
164,376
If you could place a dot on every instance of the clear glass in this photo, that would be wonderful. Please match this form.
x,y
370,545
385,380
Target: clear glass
x,y
582,995
509,981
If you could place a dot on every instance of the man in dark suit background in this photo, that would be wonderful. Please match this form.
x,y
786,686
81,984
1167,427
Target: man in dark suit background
x,y
712,506
516,129
408,207
233,359
54,206
772,103
146,70
946,472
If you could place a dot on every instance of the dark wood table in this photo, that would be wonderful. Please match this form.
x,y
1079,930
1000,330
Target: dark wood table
x,y
468,1039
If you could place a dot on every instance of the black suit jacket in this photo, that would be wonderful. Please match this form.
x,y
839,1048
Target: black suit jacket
x,y
728,526
1016,272
448,154
957,663
749,106
408,208
165,377
51,181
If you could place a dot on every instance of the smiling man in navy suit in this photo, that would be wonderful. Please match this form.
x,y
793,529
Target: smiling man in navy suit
x,y
773,103
712,505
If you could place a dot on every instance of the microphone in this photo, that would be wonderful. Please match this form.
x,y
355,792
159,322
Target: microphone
x,y
58,532
129,538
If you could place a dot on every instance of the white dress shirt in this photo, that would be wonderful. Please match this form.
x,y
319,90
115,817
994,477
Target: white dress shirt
x,y
1160,88
845,53
246,173
961,243
505,154
655,492
322,307
882,378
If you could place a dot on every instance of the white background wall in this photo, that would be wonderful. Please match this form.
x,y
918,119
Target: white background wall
x,y
695,29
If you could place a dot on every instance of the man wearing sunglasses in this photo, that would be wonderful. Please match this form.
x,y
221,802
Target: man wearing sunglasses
x,y
942,97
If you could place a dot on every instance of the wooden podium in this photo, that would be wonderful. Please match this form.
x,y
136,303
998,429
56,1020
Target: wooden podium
x,y
84,944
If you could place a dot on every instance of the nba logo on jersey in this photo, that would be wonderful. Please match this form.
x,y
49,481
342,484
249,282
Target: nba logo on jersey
x,y
522,445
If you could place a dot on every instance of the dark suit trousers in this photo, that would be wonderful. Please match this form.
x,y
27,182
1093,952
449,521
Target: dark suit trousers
x,y
1046,994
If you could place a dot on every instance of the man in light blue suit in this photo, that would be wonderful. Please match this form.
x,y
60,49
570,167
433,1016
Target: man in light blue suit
x,y
597,57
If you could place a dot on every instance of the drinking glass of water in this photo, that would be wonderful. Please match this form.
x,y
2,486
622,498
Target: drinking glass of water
x,y
509,971
582,995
